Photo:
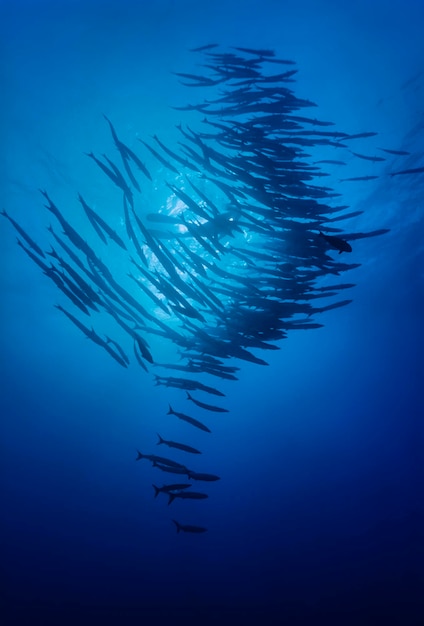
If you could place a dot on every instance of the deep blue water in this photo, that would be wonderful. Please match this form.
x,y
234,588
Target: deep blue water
x,y
318,516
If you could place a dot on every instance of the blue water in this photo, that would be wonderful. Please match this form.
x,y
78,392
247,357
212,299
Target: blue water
x,y
318,516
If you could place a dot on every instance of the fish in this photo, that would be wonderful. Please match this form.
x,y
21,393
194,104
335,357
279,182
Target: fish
x,y
186,495
115,355
139,357
197,80
67,287
202,476
169,468
115,176
158,302
91,334
342,180
83,328
178,446
207,407
331,162
205,47
126,154
187,383
153,458
396,152
23,234
257,51
413,170
69,231
91,295
188,528
175,156
193,206
168,488
119,348
98,221
34,257
337,243
367,158
361,135
110,173
160,158
188,419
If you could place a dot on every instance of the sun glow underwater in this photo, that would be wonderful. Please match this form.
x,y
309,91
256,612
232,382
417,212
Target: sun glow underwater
x,y
242,245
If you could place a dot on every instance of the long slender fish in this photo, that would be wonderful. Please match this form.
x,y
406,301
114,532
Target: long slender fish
x,y
397,152
164,162
202,476
119,348
336,243
100,222
153,458
170,468
126,154
187,383
188,528
367,158
177,446
187,495
204,405
343,180
23,234
168,488
361,135
138,357
188,419
208,46
413,170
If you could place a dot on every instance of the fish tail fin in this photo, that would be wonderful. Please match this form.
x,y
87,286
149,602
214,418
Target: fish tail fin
x,y
188,396
171,497
177,525
170,410
160,440
139,456
157,490
4,213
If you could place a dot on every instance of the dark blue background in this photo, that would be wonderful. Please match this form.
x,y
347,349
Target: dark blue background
x,y
318,518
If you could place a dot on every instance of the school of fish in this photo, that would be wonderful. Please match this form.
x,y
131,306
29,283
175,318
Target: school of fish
x,y
232,261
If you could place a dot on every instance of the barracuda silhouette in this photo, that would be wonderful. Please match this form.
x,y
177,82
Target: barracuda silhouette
x,y
187,495
100,225
154,458
336,243
202,476
188,419
207,407
189,528
23,234
171,469
167,488
178,446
